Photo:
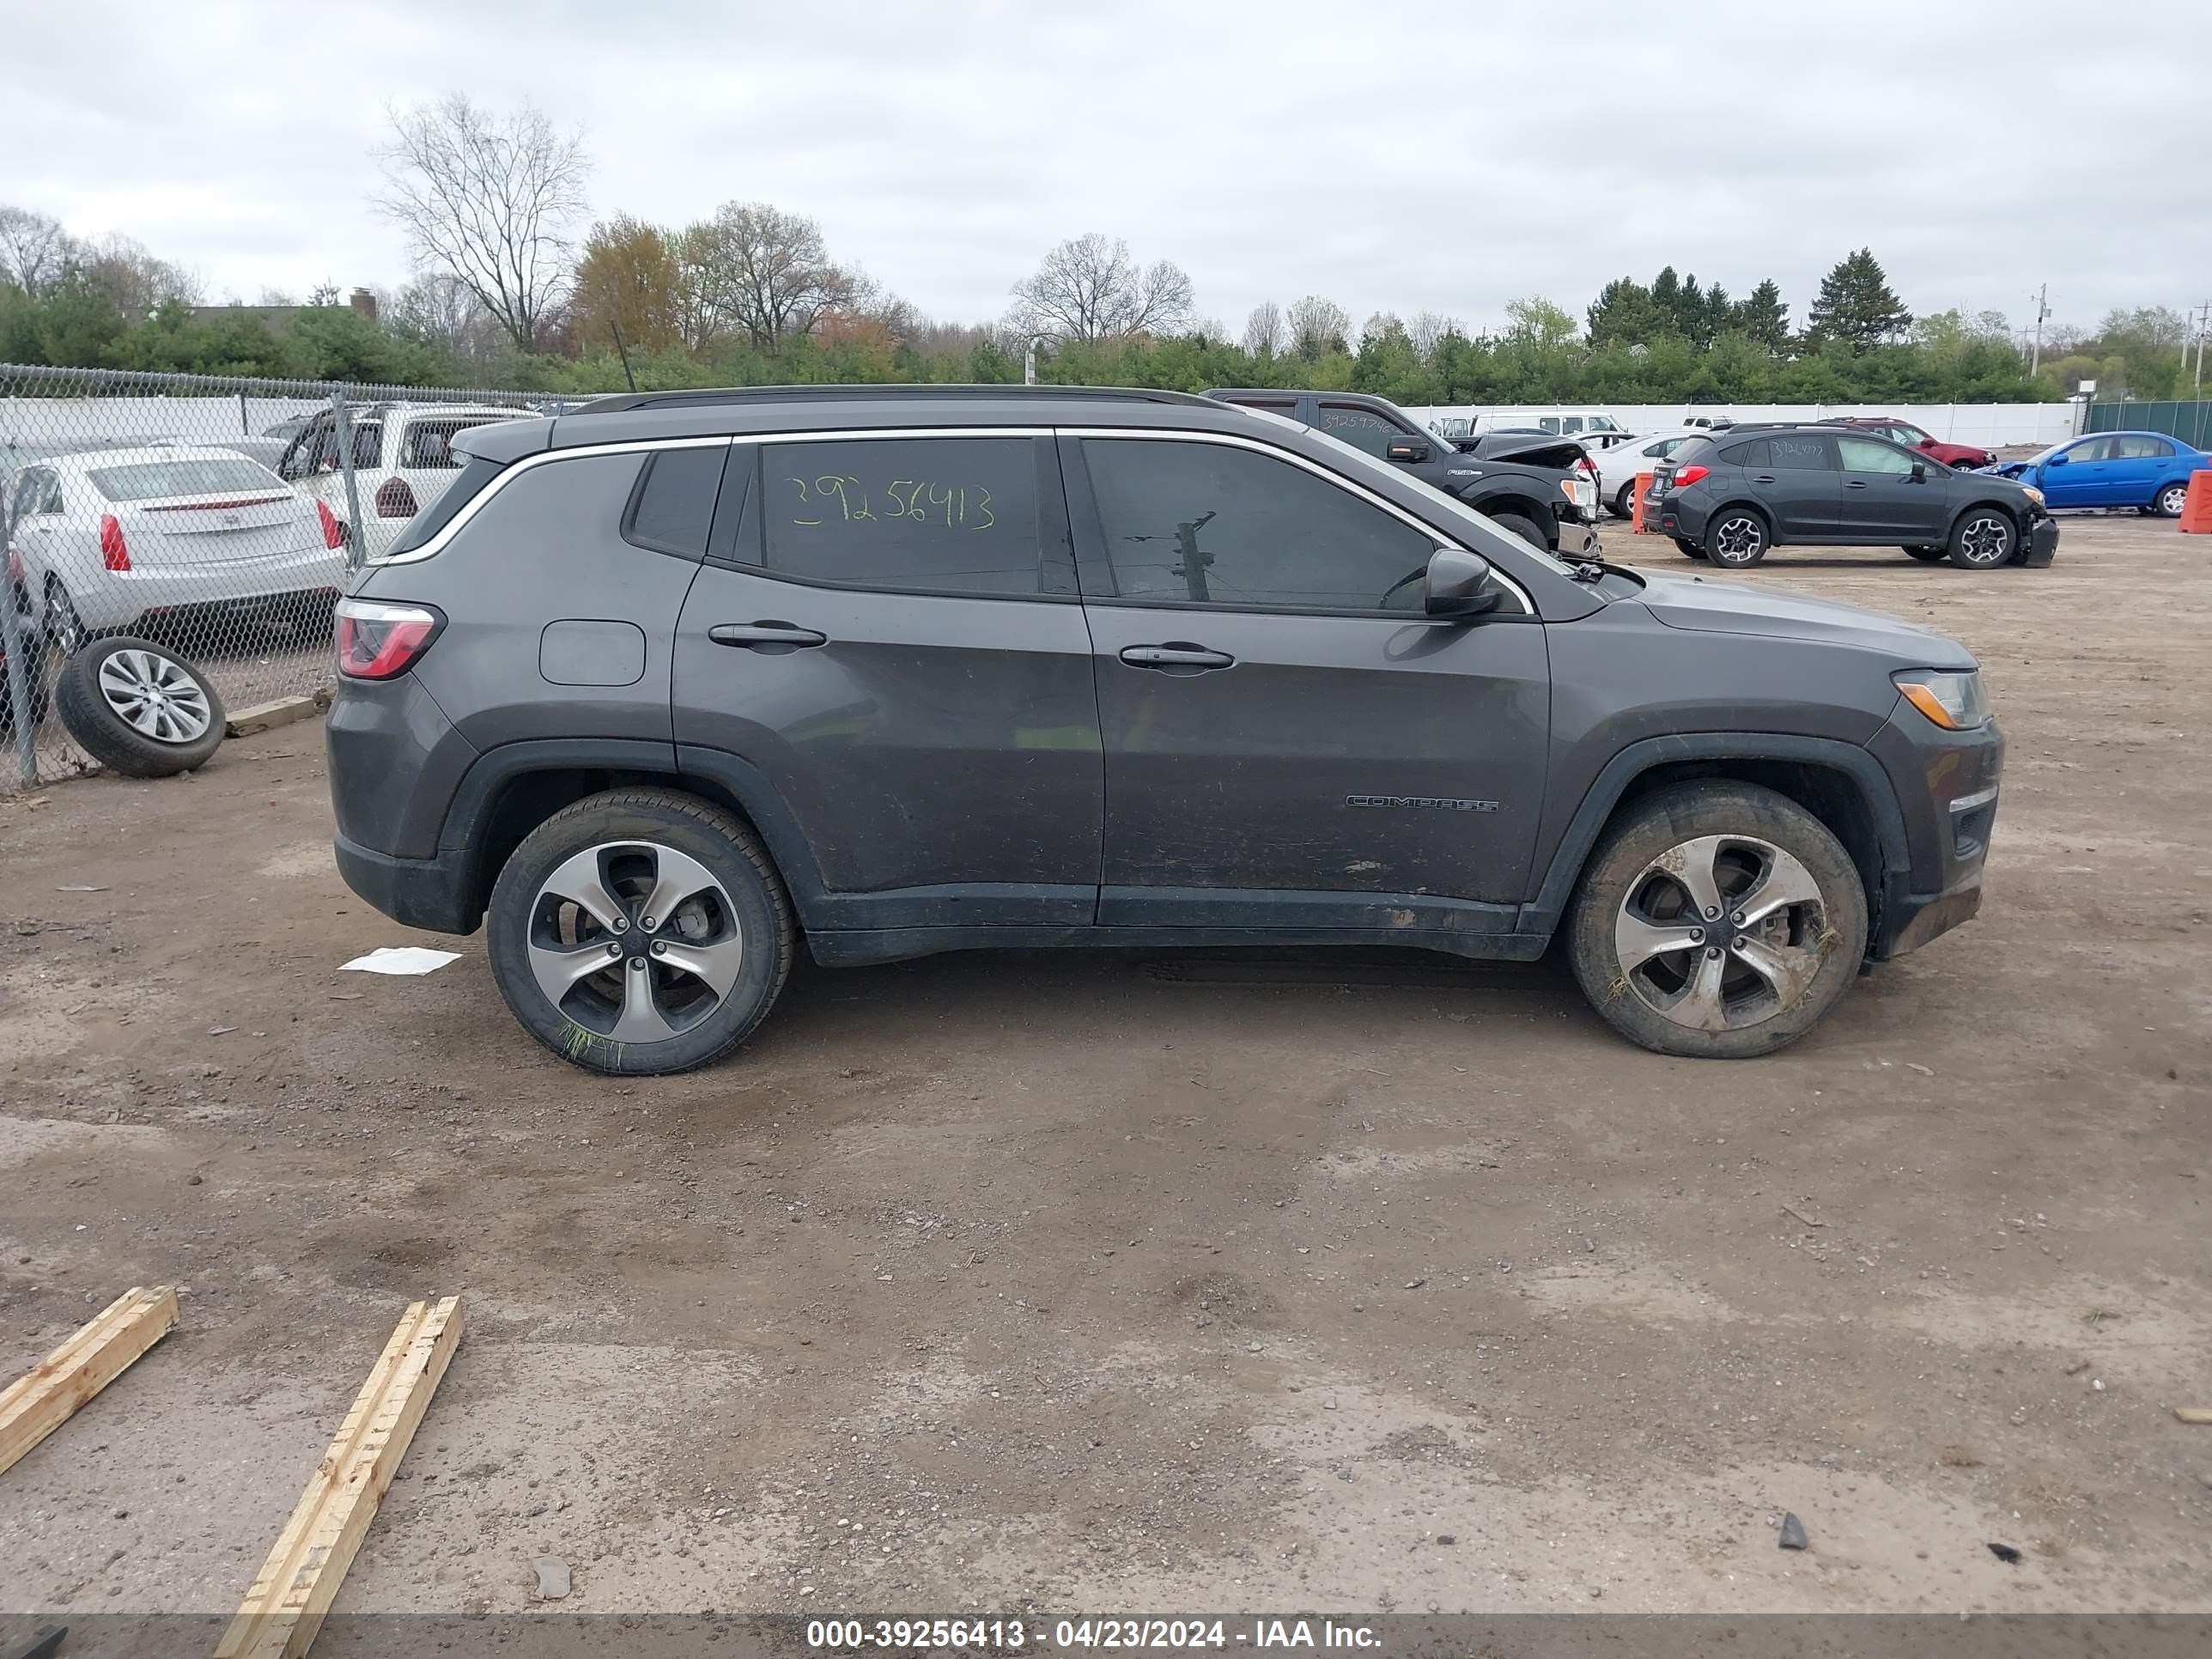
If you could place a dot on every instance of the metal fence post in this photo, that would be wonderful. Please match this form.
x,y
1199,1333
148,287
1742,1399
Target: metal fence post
x,y
342,429
15,635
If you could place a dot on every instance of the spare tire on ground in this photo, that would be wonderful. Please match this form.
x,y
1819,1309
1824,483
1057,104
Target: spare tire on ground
x,y
138,708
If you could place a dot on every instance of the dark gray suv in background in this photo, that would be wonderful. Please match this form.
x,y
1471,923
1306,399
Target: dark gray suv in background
x,y
660,687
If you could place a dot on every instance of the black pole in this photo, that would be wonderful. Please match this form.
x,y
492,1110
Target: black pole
x,y
615,330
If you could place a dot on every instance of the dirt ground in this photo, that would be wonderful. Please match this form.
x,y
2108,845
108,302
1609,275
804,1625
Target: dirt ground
x,y
1100,1282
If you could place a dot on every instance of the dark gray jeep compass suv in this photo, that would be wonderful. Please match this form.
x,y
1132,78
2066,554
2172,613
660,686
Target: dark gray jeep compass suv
x,y
659,688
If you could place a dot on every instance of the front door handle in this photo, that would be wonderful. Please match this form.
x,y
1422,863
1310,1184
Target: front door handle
x,y
766,636
1176,656
1854,484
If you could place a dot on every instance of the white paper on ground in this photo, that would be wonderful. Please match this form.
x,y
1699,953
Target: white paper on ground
x,y
402,959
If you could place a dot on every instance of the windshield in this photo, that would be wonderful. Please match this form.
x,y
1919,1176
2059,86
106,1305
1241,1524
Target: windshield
x,y
1358,463
148,481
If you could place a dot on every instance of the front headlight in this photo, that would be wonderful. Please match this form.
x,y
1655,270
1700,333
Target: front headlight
x,y
2033,493
1953,701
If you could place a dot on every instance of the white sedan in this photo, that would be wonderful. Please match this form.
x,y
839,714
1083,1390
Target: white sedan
x,y
122,538
1617,467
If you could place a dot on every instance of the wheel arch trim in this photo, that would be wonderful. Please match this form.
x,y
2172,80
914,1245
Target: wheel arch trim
x,y
1542,915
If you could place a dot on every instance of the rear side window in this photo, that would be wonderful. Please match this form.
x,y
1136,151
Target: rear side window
x,y
1796,454
673,503
2140,448
923,515
430,443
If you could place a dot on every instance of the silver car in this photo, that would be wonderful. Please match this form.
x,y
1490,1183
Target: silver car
x,y
123,538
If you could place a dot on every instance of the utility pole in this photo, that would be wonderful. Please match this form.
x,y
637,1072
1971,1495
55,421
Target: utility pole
x,y
2203,326
2042,311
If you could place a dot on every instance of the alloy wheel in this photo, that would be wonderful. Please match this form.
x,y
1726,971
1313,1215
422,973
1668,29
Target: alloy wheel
x,y
635,941
1985,539
1737,540
63,627
2171,500
1719,933
155,697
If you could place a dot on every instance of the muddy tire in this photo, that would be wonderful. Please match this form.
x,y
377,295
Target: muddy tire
x,y
1524,528
138,708
1689,549
1930,555
1652,934
590,969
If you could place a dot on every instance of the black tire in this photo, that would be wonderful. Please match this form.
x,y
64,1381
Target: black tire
x,y
1930,555
1821,939
1622,505
643,822
1737,538
1524,528
40,700
1690,549
62,628
92,698
1983,538
2169,500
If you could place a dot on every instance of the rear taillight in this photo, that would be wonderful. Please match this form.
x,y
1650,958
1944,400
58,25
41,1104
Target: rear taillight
x,y
14,565
1688,476
333,531
1586,464
380,642
394,500
114,552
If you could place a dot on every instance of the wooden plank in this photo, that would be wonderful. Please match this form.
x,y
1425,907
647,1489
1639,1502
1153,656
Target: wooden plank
x,y
2194,1413
264,716
292,1591
35,1405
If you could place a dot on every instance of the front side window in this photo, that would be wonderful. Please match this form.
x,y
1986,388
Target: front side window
x,y
1800,453
1865,455
1362,428
928,515
1190,523
2094,449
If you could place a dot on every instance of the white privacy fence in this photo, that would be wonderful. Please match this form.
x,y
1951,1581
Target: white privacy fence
x,y
1993,426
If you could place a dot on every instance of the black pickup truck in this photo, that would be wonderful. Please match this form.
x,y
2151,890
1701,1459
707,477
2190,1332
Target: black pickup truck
x,y
1537,486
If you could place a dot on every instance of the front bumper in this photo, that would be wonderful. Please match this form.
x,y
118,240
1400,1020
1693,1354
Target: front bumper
x,y
1947,784
2039,545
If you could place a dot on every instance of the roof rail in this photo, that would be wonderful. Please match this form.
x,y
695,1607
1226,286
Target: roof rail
x,y
621,401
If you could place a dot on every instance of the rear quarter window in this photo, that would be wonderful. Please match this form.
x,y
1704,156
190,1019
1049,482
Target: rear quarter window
x,y
673,507
467,485
1751,453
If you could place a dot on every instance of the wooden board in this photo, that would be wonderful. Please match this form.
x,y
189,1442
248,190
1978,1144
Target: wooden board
x,y
262,716
292,1591
36,1405
2194,1413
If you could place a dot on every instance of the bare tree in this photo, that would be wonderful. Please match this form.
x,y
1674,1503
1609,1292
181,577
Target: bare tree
x,y
440,309
1264,331
766,270
1427,328
1317,326
489,201
133,278
35,250
1090,288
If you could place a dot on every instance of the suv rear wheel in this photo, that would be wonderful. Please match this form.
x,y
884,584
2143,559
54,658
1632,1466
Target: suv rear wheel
x,y
1717,920
639,932
1929,555
1737,538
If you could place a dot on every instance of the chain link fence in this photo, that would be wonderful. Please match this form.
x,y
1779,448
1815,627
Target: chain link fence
x,y
215,518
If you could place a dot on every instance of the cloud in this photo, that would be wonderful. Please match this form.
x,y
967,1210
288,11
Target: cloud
x,y
1449,158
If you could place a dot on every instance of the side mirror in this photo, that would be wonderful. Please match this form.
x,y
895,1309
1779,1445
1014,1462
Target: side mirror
x,y
1920,472
2057,460
1459,584
1406,451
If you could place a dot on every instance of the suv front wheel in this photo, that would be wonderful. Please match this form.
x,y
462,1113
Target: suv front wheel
x,y
639,932
1717,920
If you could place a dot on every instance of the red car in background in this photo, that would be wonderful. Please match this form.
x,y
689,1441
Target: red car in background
x,y
1912,437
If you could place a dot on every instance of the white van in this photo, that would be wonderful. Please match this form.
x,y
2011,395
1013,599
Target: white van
x,y
1589,424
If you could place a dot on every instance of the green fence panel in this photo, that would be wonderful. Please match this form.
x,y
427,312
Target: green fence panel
x,y
2191,422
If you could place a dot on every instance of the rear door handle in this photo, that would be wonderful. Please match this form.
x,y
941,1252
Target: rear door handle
x,y
1854,484
757,635
1762,477
1177,656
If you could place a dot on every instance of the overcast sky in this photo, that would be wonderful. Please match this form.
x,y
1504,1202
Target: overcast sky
x,y
1435,155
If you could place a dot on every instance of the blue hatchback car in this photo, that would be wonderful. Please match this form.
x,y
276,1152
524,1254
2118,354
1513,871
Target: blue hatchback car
x,y
2146,470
